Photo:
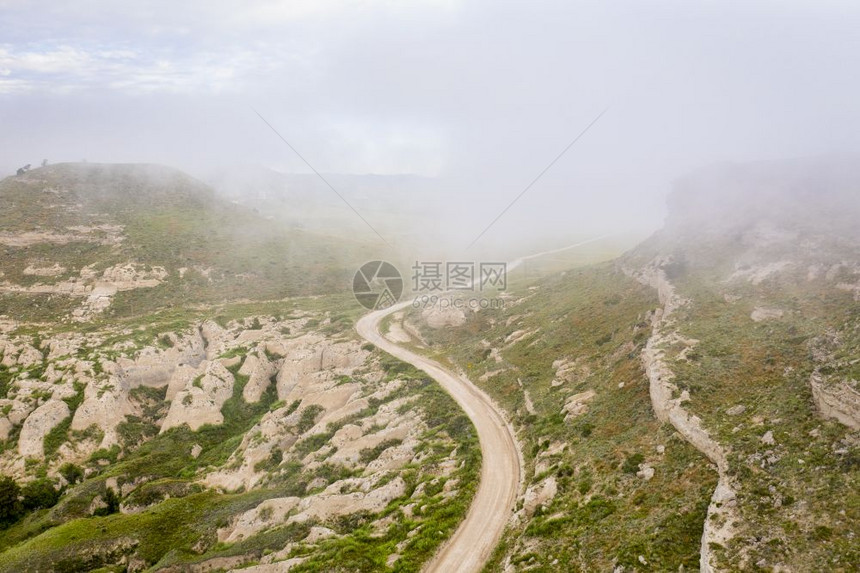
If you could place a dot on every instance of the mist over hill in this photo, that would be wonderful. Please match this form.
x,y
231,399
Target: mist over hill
x,y
99,228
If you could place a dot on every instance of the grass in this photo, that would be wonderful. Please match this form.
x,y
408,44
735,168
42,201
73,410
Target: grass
x,y
799,486
56,437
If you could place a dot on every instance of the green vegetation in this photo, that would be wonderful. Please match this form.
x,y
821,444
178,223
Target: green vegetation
x,y
765,367
10,504
57,436
71,473
308,418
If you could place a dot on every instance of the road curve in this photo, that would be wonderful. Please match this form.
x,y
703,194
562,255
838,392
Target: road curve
x,y
473,542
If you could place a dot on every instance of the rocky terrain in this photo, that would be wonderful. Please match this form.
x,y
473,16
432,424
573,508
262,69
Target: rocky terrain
x,y
288,414
606,485
756,352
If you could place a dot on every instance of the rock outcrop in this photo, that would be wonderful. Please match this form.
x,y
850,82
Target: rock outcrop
x,y
200,402
106,404
260,371
668,408
837,400
38,424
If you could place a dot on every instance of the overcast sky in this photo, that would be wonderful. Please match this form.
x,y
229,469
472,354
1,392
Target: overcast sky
x,y
485,92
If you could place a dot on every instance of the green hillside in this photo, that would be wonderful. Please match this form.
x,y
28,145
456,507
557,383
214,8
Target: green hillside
x,y
93,216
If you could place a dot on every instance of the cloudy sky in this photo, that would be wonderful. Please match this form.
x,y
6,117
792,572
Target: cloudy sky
x,y
486,92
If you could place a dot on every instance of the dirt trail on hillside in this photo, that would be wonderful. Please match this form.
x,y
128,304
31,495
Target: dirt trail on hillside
x,y
477,536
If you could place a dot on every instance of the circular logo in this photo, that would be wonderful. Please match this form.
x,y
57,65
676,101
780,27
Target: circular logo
x,y
377,285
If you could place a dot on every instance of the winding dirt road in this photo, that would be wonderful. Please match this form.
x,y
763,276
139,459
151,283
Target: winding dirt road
x,y
474,541
501,471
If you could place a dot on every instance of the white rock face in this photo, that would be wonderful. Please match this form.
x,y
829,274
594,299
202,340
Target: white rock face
x,y
29,356
837,400
350,443
5,428
577,405
105,405
723,507
437,317
761,313
645,472
216,339
539,494
99,291
37,425
277,430
156,367
736,410
260,371
43,271
327,503
253,521
201,400
312,358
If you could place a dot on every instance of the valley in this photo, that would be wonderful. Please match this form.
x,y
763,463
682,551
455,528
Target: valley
x,y
189,389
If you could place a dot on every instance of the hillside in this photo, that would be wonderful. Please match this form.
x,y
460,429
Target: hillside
x,y
82,239
694,402
264,435
400,207
759,274
170,402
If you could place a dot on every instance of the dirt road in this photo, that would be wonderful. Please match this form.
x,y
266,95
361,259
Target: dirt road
x,y
476,538
501,471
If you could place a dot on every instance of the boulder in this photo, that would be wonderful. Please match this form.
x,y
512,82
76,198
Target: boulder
x,y
38,424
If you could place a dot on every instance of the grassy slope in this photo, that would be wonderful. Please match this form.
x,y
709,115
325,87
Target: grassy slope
x,y
798,499
169,220
604,514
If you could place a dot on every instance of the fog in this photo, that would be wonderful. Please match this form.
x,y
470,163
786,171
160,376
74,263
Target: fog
x,y
472,100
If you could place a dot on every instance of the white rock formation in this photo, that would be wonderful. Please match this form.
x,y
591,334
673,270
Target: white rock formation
x,y
259,370
761,313
106,404
577,405
836,400
38,424
201,400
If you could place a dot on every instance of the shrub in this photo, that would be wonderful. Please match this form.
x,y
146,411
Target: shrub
x,y
10,506
40,494
111,500
56,437
631,464
71,473
367,455
308,418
